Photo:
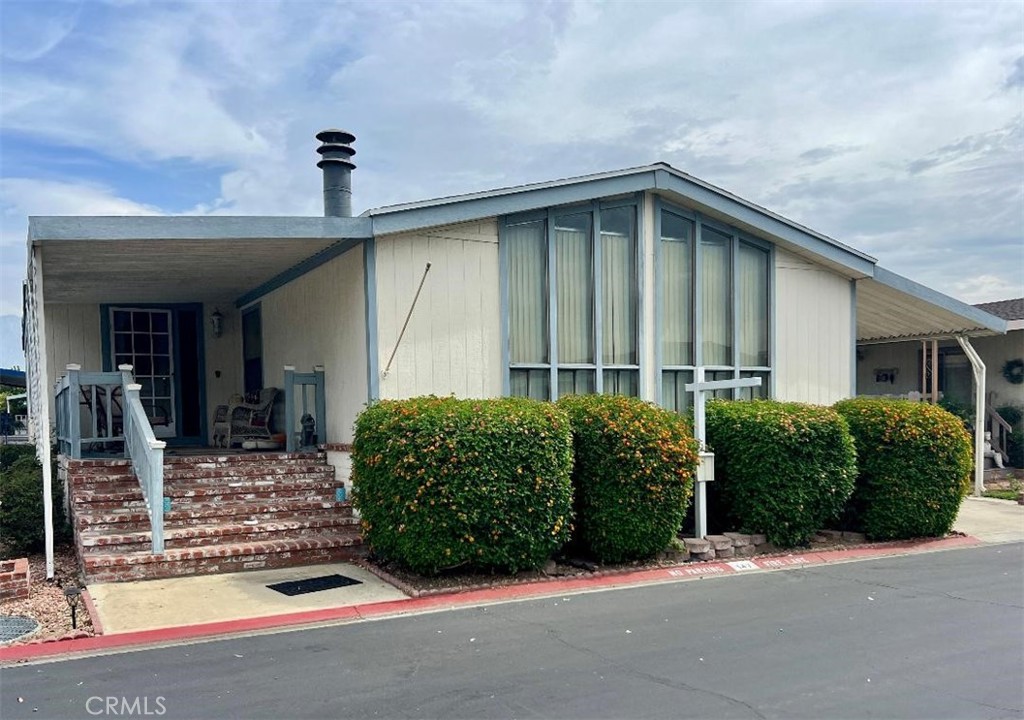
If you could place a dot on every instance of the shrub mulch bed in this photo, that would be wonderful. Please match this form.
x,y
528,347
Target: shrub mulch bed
x,y
454,581
46,604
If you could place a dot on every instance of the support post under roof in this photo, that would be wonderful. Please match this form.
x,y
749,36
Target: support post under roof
x,y
979,413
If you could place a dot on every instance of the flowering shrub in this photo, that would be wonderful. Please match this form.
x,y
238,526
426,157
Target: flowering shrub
x,y
442,483
633,475
782,469
914,469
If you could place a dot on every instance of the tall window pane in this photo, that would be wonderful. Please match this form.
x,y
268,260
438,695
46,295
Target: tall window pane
x,y
753,305
576,382
527,293
673,390
574,260
621,382
618,286
534,384
677,290
716,297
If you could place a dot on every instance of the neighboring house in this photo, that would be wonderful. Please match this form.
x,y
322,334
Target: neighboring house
x,y
623,281
941,367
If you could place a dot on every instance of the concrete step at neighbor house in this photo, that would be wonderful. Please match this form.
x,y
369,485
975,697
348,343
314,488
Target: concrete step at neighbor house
x,y
234,512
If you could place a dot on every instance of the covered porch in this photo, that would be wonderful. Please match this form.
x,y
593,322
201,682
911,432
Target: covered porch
x,y
901,327
151,339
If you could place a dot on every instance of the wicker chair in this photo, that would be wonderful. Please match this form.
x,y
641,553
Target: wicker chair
x,y
239,421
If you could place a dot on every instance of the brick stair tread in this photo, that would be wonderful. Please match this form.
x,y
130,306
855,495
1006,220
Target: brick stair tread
x,y
100,538
208,474
213,457
128,515
260,547
82,497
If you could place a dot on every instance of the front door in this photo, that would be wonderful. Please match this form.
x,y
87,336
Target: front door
x,y
144,339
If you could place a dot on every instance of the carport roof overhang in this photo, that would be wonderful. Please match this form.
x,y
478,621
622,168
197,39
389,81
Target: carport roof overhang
x,y
181,259
892,308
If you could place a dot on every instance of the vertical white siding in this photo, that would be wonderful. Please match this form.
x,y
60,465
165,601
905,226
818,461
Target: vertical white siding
x,y
813,332
453,342
904,357
72,336
320,319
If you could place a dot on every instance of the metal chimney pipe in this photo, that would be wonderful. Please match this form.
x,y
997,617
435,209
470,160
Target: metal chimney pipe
x,y
336,163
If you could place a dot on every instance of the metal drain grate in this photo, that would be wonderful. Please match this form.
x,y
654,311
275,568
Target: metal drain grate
x,y
13,627
310,585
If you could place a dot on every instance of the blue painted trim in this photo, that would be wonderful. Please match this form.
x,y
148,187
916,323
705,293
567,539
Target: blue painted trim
x,y
370,299
552,305
205,227
772,323
983,319
659,300
769,223
853,338
734,296
503,310
597,270
698,289
175,308
446,211
293,273
640,218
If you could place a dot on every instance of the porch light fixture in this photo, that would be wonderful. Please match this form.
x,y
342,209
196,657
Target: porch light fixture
x,y
217,323
73,596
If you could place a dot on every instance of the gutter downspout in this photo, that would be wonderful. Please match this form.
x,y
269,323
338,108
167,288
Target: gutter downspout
x,y
979,413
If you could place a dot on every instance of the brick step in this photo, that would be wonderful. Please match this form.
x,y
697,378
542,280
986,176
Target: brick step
x,y
219,474
119,520
282,496
325,548
279,528
295,489
208,458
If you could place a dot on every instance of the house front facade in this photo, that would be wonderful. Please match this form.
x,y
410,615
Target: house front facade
x,y
621,282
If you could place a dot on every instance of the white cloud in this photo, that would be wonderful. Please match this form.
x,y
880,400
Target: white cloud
x,y
22,197
892,127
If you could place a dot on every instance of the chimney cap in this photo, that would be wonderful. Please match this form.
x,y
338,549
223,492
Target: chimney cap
x,y
334,135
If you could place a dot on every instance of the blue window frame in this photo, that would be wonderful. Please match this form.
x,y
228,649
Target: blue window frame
x,y
571,291
714,286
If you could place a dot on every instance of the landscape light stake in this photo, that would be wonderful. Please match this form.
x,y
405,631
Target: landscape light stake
x,y
73,596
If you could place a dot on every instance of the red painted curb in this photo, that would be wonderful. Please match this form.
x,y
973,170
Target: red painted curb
x,y
94,616
471,597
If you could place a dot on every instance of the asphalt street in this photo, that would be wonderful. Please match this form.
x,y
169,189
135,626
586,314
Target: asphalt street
x,y
938,635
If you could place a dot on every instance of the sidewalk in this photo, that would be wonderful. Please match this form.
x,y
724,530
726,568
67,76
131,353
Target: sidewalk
x,y
991,520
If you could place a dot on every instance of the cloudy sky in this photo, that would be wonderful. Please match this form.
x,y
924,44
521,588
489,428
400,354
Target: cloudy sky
x,y
894,127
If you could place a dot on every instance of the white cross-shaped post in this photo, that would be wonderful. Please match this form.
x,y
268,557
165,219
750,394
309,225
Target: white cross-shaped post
x,y
706,469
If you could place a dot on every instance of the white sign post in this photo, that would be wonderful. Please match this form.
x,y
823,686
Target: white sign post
x,y
706,469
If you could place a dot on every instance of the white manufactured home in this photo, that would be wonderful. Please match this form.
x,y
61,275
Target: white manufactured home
x,y
620,282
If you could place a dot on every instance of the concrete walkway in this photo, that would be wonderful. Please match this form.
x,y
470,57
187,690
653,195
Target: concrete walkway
x,y
172,602
991,520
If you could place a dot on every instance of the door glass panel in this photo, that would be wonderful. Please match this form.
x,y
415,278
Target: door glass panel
x,y
142,339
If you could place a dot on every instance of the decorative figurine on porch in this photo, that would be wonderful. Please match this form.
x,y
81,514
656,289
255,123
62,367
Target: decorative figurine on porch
x,y
308,430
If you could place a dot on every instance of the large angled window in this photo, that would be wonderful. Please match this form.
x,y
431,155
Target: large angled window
x,y
713,307
573,305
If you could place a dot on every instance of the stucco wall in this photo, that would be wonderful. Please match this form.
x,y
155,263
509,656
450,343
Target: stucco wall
x,y
813,341
453,341
320,319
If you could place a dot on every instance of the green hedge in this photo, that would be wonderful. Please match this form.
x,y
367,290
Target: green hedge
x,y
1014,415
633,475
22,529
782,469
915,462
444,483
